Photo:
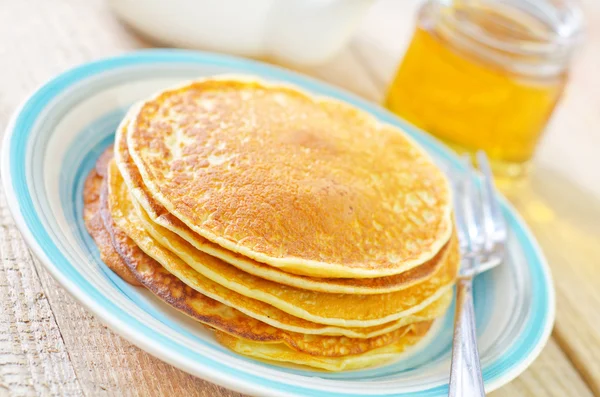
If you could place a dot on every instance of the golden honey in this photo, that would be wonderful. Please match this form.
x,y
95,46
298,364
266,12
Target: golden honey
x,y
482,75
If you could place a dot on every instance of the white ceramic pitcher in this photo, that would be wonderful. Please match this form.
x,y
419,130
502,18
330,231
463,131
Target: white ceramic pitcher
x,y
297,31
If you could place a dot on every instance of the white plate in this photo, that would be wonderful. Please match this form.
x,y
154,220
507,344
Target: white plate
x,y
52,143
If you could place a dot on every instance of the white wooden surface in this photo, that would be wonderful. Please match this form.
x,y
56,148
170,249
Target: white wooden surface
x,y
49,345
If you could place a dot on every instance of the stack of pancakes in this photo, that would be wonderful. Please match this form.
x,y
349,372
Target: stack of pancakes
x,y
297,227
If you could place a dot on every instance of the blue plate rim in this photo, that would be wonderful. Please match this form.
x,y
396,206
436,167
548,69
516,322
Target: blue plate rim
x,y
28,222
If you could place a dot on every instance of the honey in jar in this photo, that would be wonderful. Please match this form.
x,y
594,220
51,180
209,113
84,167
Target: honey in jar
x,y
487,74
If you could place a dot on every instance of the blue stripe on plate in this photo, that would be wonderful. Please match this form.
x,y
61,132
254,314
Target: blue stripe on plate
x,y
534,333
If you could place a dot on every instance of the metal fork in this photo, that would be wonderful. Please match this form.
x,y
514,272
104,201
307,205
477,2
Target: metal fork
x,y
482,234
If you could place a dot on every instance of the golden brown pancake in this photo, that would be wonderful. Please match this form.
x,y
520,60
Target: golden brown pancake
x,y
309,185
124,217
282,353
225,318
160,216
93,219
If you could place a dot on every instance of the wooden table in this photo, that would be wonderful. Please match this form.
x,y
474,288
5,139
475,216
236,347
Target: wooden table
x,y
49,345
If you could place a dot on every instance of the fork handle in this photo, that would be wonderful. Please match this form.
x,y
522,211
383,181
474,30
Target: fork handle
x,y
465,372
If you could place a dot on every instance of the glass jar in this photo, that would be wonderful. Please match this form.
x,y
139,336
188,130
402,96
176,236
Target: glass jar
x,y
487,74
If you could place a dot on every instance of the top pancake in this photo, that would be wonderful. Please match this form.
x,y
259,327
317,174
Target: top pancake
x,y
162,217
310,185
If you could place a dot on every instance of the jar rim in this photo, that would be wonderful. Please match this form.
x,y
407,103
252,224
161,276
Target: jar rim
x,y
559,22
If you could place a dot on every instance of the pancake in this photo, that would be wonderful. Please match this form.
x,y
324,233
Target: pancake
x,y
227,319
93,220
309,185
332,309
160,216
177,272
282,353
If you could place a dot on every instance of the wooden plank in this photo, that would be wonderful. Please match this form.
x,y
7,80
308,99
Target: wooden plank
x,y
550,375
564,218
33,357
